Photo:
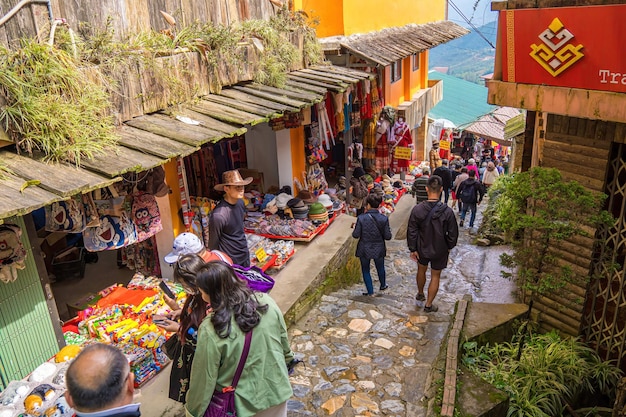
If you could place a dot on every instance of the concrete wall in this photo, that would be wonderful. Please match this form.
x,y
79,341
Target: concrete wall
x,y
261,151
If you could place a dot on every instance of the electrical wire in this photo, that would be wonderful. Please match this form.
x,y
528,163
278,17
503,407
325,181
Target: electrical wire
x,y
469,22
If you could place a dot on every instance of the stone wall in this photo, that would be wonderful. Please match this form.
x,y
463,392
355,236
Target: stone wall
x,y
342,270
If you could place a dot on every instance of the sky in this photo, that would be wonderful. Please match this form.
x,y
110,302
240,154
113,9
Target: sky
x,y
479,17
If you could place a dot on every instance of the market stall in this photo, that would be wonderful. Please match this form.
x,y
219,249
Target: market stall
x,y
118,315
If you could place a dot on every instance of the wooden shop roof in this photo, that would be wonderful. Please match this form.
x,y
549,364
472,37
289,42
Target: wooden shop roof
x,y
392,44
151,140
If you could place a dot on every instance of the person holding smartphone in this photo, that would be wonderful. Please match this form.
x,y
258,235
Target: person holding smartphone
x,y
184,322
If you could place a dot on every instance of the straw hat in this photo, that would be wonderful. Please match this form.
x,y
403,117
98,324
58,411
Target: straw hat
x,y
232,178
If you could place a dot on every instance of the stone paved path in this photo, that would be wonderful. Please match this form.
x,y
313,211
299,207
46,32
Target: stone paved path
x,y
368,356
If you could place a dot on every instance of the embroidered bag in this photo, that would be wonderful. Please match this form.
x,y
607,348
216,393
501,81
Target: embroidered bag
x,y
66,216
146,216
12,252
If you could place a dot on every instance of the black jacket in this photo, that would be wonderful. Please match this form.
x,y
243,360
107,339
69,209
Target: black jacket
x,y
476,195
435,239
372,229
446,176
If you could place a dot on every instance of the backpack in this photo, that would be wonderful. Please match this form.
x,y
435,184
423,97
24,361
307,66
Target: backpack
x,y
359,189
468,193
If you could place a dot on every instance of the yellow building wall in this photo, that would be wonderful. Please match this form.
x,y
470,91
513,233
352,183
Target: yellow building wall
x,y
347,17
298,163
368,15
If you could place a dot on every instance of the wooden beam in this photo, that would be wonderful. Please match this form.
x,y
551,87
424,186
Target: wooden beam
x,y
574,102
61,179
249,98
227,114
157,145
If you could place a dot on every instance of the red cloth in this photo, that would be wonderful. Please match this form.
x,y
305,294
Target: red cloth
x,y
122,295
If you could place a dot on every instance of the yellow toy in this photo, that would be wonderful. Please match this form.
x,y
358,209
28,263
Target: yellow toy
x,y
67,353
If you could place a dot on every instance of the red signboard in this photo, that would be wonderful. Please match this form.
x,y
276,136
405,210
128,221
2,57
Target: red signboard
x,y
579,47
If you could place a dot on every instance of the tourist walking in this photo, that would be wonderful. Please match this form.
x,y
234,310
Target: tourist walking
x,y
432,232
446,177
418,189
372,229
471,193
490,175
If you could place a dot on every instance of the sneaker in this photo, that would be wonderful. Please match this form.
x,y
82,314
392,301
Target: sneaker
x,y
461,223
420,297
367,294
384,288
433,308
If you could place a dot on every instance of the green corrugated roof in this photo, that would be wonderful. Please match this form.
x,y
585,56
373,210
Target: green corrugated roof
x,y
463,101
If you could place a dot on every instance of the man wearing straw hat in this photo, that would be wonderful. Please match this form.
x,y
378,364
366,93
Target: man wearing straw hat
x,y
226,220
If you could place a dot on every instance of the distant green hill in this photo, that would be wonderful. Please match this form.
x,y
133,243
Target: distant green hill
x,y
468,57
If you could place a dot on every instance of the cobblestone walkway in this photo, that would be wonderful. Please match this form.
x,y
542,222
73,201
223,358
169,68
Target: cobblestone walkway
x,y
368,356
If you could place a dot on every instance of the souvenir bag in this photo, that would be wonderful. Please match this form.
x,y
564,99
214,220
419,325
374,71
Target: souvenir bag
x,y
12,252
146,216
257,279
223,401
116,229
66,216
315,177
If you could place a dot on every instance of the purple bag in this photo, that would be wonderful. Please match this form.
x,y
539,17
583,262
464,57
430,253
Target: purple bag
x,y
222,405
223,401
257,279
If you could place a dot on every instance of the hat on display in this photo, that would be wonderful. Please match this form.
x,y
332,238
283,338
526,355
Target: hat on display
x,y
306,196
232,178
295,203
184,244
282,199
317,211
325,200
386,177
317,208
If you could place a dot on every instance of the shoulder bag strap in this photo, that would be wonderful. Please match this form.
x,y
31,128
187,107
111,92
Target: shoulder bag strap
x,y
431,212
242,360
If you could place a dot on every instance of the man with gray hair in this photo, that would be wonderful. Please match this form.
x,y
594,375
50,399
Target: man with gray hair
x,y
100,383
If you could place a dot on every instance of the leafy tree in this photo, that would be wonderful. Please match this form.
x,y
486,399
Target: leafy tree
x,y
538,210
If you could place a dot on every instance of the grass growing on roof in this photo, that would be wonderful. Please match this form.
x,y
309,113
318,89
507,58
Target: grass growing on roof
x,y
51,106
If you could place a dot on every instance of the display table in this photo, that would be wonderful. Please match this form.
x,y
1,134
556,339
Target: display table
x,y
318,231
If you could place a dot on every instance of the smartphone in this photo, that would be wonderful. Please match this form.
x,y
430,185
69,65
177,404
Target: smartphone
x,y
163,286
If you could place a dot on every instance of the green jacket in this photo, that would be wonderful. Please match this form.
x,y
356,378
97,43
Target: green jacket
x,y
264,382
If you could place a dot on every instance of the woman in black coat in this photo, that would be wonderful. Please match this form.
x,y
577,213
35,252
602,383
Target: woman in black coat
x,y
372,229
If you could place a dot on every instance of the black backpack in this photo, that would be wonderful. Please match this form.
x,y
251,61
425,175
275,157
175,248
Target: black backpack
x,y
468,193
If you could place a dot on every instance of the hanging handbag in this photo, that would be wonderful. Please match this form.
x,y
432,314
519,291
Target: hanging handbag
x,y
116,229
145,215
66,216
223,401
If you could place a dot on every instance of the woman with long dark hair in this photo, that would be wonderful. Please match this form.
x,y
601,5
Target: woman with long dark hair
x,y
191,315
264,388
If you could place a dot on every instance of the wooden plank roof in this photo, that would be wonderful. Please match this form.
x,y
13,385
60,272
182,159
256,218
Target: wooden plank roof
x,y
392,44
151,140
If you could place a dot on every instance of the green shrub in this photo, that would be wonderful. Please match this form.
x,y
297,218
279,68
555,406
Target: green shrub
x,y
551,373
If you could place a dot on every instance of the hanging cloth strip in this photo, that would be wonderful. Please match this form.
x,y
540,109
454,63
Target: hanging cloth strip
x,y
184,195
325,128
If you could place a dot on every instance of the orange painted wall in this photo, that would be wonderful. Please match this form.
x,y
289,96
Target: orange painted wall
x,y
347,17
328,12
298,163
171,178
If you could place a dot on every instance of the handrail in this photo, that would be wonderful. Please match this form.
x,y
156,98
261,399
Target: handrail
x,y
23,3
